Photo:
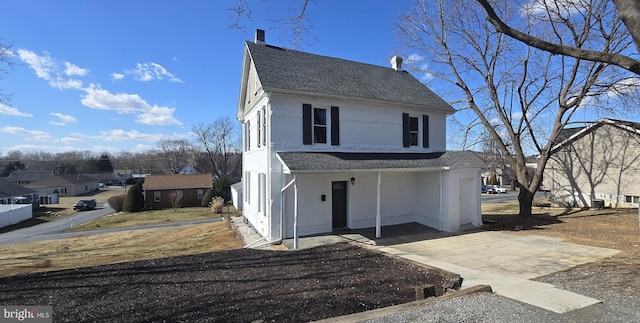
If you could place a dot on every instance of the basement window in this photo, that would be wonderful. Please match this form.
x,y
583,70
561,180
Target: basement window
x,y
631,199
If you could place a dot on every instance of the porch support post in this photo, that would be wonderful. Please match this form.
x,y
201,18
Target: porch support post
x,y
378,216
295,213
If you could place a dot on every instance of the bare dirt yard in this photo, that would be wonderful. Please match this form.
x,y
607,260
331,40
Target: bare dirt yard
x,y
241,285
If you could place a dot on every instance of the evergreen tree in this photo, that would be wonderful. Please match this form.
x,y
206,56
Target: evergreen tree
x,y
222,188
104,164
208,196
135,199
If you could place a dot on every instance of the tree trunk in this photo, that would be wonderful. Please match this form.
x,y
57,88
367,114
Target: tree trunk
x,y
525,197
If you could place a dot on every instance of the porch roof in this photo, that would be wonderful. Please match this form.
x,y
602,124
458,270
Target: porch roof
x,y
325,162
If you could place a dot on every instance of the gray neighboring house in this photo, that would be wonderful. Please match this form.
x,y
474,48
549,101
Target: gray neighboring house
x,y
11,193
65,185
597,165
24,177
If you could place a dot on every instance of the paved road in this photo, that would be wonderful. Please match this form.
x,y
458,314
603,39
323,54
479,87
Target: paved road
x,y
56,229
509,196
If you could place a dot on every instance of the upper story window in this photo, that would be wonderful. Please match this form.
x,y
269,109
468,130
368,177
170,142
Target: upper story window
x,y
264,126
247,136
320,125
411,131
259,128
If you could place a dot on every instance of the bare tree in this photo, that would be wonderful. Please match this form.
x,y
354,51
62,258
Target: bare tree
x,y
176,153
627,10
220,142
175,197
297,23
6,64
523,97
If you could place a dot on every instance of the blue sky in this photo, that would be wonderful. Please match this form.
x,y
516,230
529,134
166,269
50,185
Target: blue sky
x,y
121,75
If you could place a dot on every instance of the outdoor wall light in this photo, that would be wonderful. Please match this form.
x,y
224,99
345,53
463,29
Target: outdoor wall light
x,y
353,181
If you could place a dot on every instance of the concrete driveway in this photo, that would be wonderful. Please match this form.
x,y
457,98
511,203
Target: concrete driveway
x,y
505,261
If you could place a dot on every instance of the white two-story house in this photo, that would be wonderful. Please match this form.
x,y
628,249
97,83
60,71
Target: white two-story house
x,y
332,144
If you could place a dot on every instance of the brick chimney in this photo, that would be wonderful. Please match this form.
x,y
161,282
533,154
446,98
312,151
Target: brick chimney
x,y
396,63
260,37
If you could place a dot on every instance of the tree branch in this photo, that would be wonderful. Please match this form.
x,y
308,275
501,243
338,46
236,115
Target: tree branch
x,y
616,59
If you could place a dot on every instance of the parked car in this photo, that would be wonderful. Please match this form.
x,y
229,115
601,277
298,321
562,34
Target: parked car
x,y
85,204
498,189
486,189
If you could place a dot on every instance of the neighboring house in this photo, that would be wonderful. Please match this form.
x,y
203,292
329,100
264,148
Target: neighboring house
x,y
11,193
597,165
188,169
65,185
159,190
23,177
331,144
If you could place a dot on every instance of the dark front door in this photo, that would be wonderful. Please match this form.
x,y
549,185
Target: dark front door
x,y
339,204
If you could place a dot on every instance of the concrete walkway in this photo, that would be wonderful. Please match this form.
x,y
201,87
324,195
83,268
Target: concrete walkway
x,y
506,262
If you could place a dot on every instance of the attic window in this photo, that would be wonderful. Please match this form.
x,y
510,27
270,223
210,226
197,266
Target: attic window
x,y
320,126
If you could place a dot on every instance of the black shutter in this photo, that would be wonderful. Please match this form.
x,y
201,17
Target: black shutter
x,y
335,126
405,130
306,124
425,131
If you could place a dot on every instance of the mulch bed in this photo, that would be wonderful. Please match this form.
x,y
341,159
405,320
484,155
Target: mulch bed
x,y
231,286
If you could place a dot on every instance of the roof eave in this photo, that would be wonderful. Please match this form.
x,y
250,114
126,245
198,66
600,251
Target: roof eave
x,y
448,111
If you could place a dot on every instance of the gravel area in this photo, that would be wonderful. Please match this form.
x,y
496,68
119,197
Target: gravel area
x,y
231,286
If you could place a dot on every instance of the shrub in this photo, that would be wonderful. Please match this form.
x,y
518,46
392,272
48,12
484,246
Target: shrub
x,y
135,199
216,205
222,188
206,199
116,202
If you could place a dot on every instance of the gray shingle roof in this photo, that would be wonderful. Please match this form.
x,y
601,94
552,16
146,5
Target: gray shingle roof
x,y
9,189
291,71
568,135
340,161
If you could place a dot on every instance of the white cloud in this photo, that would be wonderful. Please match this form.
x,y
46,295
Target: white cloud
x,y
29,135
65,84
11,111
63,119
416,62
101,99
72,69
558,8
48,69
117,76
149,71
71,140
42,65
98,98
158,116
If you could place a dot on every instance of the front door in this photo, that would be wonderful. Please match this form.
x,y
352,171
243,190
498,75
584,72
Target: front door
x,y
339,204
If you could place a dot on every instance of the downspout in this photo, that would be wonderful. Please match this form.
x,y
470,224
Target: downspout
x,y
282,205
441,211
378,215
295,213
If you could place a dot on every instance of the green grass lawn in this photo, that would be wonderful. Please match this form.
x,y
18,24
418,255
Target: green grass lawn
x,y
150,217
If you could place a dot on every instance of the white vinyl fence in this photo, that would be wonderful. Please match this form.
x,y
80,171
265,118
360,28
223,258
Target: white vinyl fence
x,y
14,213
